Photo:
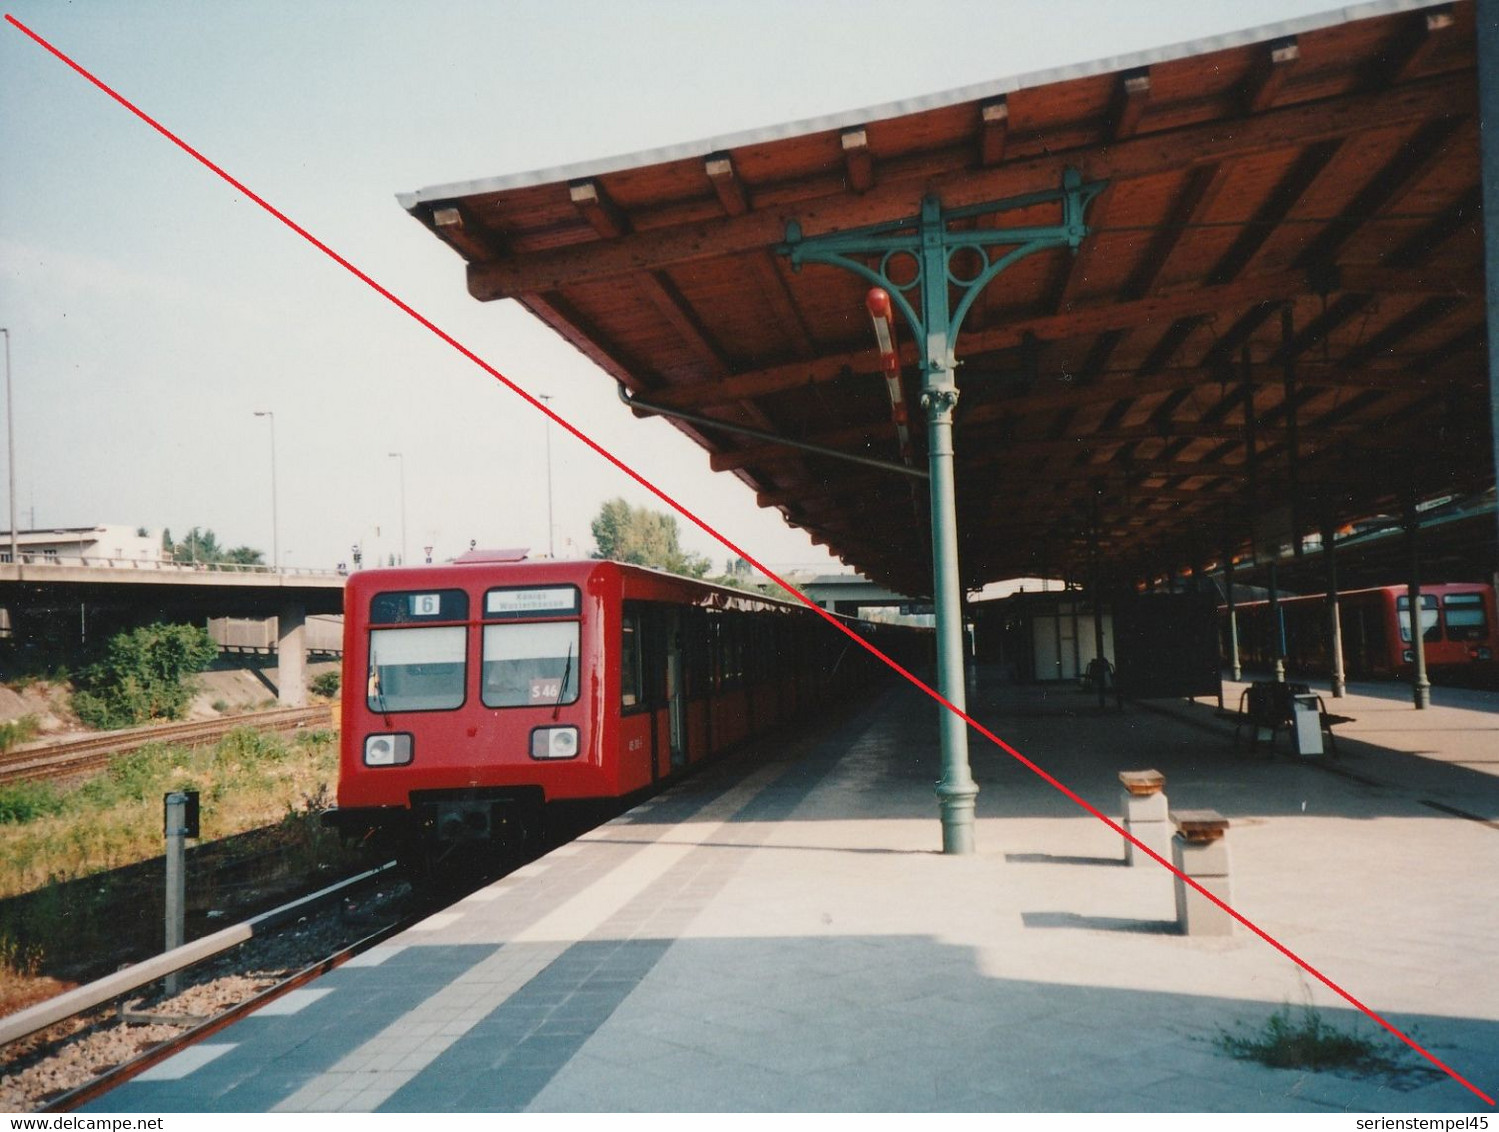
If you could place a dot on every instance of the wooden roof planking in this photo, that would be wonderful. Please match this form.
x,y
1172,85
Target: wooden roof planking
x,y
1314,184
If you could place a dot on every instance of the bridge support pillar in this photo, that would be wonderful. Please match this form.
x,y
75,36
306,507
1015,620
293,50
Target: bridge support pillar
x,y
291,655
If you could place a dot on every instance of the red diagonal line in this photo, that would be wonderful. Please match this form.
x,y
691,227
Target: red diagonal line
x,y
545,410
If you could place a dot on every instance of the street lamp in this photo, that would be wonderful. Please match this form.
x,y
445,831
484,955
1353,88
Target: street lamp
x,y
275,526
402,459
551,551
10,445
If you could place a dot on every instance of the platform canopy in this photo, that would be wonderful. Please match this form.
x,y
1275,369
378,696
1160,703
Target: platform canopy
x,y
1289,221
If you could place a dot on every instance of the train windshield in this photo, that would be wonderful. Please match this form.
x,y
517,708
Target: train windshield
x,y
1429,628
1466,617
533,664
417,669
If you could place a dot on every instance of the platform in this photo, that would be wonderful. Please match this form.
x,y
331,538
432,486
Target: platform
x,y
780,933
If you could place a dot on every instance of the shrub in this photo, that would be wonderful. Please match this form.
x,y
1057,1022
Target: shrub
x,y
143,675
325,683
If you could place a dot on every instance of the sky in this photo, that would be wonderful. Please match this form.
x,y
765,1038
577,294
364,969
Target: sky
x,y
153,311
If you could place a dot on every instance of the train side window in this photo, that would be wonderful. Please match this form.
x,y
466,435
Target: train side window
x,y
1467,620
698,674
731,651
1430,629
631,685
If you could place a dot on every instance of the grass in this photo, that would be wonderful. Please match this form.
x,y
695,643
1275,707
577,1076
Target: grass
x,y
68,855
1308,1042
246,781
14,732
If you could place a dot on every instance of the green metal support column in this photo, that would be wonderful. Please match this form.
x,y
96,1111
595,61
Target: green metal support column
x,y
1334,616
1235,669
926,246
1420,684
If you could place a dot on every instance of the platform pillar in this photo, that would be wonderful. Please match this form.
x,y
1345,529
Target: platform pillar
x,y
1420,685
291,655
1277,628
929,241
1235,669
1488,129
1334,617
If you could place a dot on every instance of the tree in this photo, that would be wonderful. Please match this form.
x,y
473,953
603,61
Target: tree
x,y
202,545
143,675
245,556
645,538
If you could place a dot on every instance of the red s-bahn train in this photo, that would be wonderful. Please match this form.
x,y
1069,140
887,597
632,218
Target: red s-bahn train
x,y
482,694
1457,633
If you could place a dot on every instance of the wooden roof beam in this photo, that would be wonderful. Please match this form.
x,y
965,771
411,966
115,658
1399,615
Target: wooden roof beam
x,y
556,312
1159,152
1196,198
1423,37
788,318
1079,323
725,181
1267,219
669,303
1131,96
846,439
455,224
813,490
735,201
1272,66
606,218
603,215
858,163
1410,165
994,130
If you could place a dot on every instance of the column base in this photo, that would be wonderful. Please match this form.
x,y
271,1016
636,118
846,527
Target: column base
x,y
957,809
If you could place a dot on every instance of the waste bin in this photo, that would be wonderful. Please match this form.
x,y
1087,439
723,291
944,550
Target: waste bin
x,y
1307,721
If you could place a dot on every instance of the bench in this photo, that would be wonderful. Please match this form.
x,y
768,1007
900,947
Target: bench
x,y
1270,706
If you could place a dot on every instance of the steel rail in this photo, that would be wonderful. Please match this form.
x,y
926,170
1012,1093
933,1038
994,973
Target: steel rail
x,y
73,1098
26,1022
77,755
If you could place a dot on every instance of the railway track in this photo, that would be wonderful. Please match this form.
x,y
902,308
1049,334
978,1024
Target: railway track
x,y
114,1041
59,760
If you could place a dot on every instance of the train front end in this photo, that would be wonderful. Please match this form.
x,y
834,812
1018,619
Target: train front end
x,y
472,698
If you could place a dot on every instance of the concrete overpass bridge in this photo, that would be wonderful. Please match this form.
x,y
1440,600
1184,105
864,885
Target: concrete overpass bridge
x,y
848,593
63,606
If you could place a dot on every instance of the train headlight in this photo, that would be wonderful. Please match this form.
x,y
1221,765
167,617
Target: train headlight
x,y
387,750
554,743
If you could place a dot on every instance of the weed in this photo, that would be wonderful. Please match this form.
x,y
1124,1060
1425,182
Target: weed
x,y
17,958
1309,1042
27,801
220,706
246,781
14,732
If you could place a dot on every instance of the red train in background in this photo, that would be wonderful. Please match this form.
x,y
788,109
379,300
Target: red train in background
x,y
1458,633
481,694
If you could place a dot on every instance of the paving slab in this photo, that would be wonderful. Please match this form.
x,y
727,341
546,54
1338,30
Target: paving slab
x,y
780,932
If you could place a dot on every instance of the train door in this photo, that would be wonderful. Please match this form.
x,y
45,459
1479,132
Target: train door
x,y
676,698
